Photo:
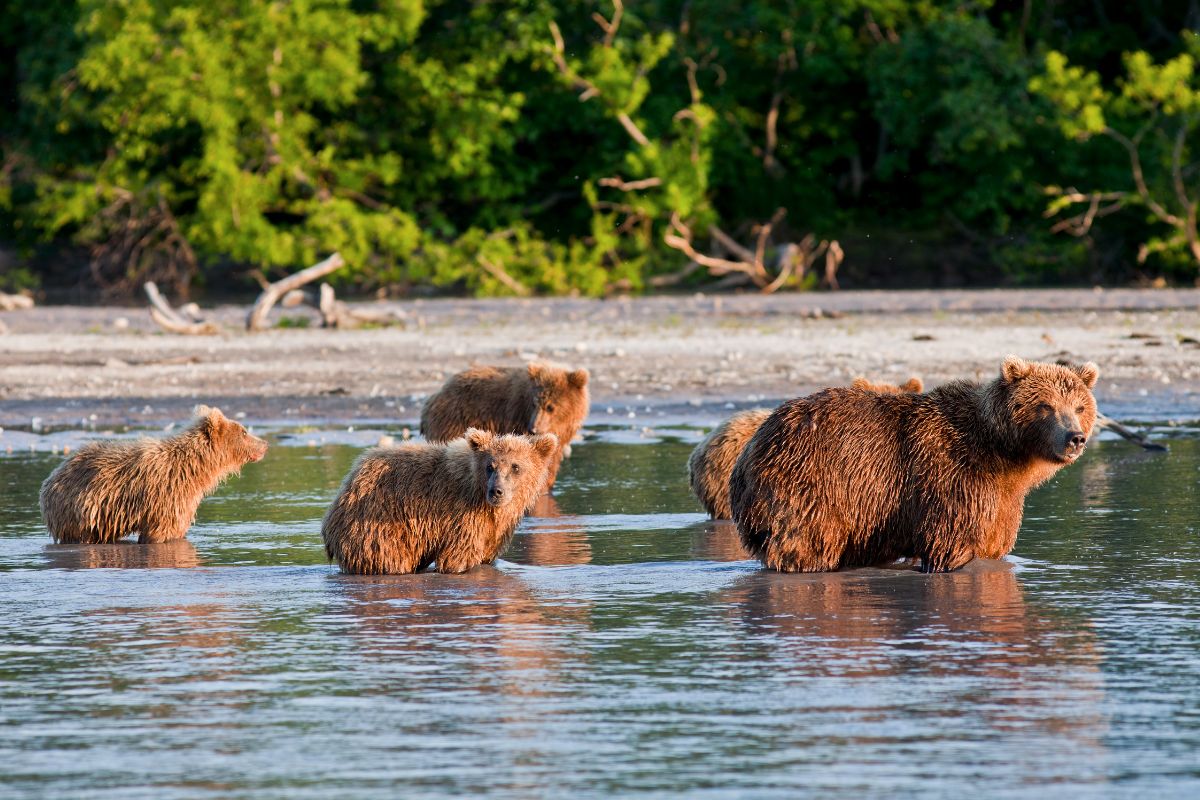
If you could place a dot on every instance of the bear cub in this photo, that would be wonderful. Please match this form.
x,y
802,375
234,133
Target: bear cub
x,y
850,478
108,490
403,508
537,398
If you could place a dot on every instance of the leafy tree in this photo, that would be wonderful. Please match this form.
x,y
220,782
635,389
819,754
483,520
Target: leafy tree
x,y
1152,114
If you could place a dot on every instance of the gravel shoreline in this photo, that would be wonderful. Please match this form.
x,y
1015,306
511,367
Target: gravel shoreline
x,y
677,358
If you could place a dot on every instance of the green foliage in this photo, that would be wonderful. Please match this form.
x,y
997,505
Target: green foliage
x,y
544,146
1151,114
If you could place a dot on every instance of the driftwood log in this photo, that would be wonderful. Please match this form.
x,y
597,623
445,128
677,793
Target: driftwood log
x,y
187,320
15,302
256,320
1139,439
336,314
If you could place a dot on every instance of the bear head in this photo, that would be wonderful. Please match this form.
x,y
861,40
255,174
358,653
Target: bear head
x,y
562,400
231,441
511,467
1047,408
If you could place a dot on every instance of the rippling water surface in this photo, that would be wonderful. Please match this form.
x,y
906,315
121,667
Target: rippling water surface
x,y
623,647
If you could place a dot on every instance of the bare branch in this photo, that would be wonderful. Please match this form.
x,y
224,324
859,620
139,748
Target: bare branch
x,y
256,319
1139,179
610,26
1139,439
497,272
617,182
171,320
727,241
834,255
560,61
13,302
632,129
588,90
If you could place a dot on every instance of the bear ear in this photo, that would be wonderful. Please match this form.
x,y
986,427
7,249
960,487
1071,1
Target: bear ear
x,y
536,369
861,382
1013,369
1089,373
578,378
913,384
477,439
208,415
544,444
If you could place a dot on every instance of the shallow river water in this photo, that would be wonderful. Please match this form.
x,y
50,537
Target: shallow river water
x,y
623,647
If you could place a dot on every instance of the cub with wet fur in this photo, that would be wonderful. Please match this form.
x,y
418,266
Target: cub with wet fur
x,y
848,478
537,398
109,490
711,462
403,508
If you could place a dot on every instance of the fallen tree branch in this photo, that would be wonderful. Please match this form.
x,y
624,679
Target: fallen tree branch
x,y
256,319
1133,436
15,302
171,320
336,314
791,260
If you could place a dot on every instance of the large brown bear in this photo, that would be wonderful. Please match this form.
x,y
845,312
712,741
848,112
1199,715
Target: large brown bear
x,y
538,398
848,478
712,461
108,490
403,508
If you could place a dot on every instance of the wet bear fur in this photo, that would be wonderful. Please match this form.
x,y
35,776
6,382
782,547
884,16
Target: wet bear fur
x,y
848,477
537,398
109,490
403,508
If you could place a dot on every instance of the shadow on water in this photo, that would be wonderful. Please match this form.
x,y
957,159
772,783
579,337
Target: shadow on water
x,y
624,645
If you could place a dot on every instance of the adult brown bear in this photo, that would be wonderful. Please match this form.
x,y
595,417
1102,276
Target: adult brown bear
x,y
712,461
848,477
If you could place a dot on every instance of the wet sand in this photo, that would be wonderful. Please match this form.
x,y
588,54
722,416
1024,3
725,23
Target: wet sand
x,y
685,358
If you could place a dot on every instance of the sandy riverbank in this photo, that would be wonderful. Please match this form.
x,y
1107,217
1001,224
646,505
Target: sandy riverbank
x,y
678,357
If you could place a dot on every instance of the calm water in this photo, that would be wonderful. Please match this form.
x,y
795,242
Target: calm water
x,y
623,647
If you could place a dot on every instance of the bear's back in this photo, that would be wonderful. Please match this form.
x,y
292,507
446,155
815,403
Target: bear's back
x,y
494,399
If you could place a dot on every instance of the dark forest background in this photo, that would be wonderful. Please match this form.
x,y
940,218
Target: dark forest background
x,y
563,146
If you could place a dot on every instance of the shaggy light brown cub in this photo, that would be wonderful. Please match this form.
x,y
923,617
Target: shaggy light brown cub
x,y
109,490
712,461
537,398
404,508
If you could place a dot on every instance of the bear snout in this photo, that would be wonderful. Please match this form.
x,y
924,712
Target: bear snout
x,y
258,449
1074,443
495,495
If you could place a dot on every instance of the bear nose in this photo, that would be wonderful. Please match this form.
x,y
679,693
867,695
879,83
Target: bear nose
x,y
497,492
1077,439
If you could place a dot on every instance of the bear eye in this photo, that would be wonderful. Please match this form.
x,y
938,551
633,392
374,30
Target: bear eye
x,y
1044,408
515,469
550,408
491,468
1080,409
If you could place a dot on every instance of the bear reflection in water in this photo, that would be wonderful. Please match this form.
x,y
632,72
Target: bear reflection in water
x,y
717,540
484,628
1009,662
175,554
550,538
